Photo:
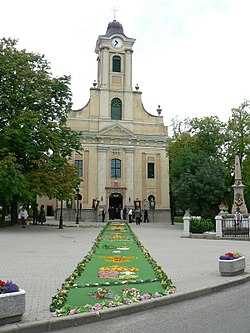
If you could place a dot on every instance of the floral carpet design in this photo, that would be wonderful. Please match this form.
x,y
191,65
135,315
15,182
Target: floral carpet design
x,y
118,270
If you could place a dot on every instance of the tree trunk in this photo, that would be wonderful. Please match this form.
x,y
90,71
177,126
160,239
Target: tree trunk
x,y
14,214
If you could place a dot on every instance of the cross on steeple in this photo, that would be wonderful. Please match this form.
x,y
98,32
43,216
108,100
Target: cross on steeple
x,y
115,11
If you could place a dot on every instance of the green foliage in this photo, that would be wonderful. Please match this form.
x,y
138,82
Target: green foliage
x,y
202,155
237,255
178,219
13,181
238,132
246,179
197,169
201,225
33,111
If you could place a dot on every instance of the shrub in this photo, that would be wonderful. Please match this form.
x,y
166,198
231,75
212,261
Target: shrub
x,y
201,225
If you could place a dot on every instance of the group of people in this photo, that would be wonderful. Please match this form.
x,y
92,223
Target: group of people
x,y
238,217
119,213
39,216
136,215
116,213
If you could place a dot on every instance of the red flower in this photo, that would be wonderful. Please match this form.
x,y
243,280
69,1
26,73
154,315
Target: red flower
x,y
1,283
229,254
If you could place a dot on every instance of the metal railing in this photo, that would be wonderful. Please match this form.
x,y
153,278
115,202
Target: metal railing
x,y
233,228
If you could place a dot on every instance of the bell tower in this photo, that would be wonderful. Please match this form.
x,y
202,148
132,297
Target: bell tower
x,y
114,75
123,157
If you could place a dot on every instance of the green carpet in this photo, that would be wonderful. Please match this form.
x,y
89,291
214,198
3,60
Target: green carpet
x,y
118,270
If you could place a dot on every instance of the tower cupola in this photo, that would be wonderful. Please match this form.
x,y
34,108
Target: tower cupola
x,y
114,27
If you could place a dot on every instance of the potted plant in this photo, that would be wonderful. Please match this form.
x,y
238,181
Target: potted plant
x,y
232,263
12,302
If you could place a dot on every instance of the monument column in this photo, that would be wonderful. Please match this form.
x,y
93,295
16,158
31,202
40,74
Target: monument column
x,y
238,187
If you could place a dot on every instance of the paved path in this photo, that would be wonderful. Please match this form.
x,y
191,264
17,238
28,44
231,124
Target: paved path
x,y
39,258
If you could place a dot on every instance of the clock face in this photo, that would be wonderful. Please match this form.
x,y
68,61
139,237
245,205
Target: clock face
x,y
117,42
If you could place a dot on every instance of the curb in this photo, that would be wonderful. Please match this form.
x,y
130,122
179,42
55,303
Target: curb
x,y
90,317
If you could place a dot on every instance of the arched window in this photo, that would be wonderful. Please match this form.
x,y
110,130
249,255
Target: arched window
x,y
115,168
116,64
116,109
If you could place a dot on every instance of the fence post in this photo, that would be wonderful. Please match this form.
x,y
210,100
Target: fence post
x,y
186,221
218,226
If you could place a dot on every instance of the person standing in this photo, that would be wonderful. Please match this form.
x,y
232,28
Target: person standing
x,y
24,216
103,214
35,214
130,213
42,217
146,216
121,213
138,216
238,217
125,213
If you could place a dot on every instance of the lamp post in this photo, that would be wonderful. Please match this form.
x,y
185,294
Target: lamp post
x,y
77,205
78,198
61,215
229,196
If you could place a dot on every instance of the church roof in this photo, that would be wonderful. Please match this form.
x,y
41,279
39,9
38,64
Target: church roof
x,y
114,27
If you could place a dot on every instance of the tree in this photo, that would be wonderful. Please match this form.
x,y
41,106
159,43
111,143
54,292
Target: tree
x,y
33,112
197,168
12,181
246,180
238,132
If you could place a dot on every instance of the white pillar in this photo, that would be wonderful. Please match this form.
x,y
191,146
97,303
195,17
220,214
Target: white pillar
x,y
218,220
129,175
105,68
102,168
186,221
128,70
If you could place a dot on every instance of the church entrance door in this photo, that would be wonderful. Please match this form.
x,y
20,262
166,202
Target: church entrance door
x,y
115,204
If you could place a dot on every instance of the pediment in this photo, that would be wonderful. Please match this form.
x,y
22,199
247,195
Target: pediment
x,y
116,130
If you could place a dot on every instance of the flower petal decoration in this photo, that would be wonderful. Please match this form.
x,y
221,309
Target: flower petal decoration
x,y
137,270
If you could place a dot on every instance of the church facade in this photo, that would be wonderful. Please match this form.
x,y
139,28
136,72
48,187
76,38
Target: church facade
x,y
123,162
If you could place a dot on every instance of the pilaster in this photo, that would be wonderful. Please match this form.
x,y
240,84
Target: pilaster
x,y
102,166
129,173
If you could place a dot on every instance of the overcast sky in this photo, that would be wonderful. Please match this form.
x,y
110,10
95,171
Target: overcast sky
x,y
190,56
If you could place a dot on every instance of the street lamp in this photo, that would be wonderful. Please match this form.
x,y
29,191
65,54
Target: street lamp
x,y
61,215
229,196
77,205
78,197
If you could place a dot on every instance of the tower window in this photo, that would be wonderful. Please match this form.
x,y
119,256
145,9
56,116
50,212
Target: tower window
x,y
78,164
116,109
151,170
115,168
116,64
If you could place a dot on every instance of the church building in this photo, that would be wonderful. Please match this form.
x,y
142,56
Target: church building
x,y
123,162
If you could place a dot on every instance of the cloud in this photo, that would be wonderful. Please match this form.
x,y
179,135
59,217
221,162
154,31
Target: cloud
x,y
190,56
